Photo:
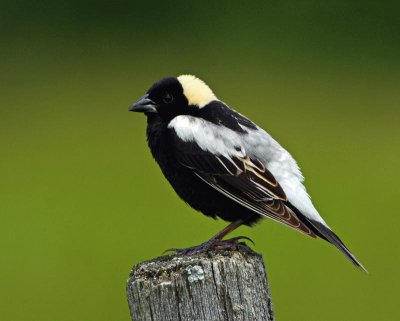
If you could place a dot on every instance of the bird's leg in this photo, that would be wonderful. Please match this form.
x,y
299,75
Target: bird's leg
x,y
216,242
230,228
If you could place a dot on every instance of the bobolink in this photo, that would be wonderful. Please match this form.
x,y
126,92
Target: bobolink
x,y
224,165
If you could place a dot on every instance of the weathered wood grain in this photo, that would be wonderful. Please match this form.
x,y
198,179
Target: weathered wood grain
x,y
218,285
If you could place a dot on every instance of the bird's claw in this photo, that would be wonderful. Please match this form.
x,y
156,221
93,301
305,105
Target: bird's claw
x,y
204,247
172,249
238,238
213,244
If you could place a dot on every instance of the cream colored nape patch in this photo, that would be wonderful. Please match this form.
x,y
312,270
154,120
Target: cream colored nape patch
x,y
196,90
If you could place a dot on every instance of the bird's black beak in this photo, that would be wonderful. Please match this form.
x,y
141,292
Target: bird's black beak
x,y
144,105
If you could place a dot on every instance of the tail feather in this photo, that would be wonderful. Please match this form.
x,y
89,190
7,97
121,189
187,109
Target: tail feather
x,y
325,233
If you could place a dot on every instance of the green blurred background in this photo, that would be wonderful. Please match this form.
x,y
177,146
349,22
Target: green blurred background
x,y
81,199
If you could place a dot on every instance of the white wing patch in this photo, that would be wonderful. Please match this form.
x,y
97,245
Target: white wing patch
x,y
256,143
215,139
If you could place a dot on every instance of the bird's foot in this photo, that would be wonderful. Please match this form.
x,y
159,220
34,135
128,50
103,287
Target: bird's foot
x,y
213,244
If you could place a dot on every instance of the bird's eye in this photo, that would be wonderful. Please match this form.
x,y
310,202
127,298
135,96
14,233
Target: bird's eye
x,y
168,98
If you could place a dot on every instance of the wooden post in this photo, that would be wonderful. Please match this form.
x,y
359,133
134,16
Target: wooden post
x,y
213,286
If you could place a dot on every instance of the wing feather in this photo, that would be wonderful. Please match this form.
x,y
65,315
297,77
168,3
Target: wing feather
x,y
244,180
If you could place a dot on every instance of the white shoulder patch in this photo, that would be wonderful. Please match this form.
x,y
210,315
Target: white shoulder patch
x,y
208,136
196,90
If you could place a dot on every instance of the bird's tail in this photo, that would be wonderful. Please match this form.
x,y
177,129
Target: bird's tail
x,y
325,233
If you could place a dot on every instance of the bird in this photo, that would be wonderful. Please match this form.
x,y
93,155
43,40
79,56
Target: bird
x,y
224,165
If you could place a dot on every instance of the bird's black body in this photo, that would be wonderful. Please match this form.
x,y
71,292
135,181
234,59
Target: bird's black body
x,y
219,162
186,184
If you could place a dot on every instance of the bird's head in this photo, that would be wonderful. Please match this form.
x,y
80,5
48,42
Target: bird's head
x,y
174,96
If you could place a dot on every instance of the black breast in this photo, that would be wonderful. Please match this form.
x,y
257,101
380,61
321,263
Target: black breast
x,y
186,183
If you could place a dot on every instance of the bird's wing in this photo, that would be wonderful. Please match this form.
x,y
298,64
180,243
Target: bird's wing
x,y
217,156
